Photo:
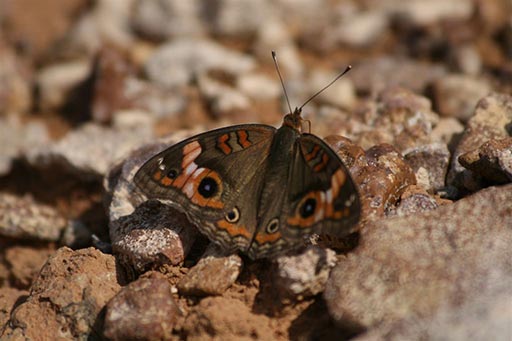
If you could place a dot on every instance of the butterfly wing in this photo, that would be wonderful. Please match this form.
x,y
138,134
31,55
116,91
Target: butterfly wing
x,y
215,178
322,197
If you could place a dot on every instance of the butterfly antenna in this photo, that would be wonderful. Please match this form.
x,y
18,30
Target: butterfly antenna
x,y
325,87
274,57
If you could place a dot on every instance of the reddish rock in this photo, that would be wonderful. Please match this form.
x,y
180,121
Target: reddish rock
x,y
8,298
382,180
212,275
492,161
142,310
430,165
491,120
413,200
66,299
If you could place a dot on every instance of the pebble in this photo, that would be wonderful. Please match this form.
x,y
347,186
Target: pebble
x,y
22,218
143,310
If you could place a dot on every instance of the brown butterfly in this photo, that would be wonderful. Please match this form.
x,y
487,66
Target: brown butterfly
x,y
255,188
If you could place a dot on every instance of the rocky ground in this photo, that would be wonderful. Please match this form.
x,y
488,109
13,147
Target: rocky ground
x,y
89,90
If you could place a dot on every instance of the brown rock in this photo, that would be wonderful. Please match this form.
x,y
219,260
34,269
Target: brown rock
x,y
457,95
219,318
66,299
382,180
415,265
15,95
492,161
350,153
154,235
430,165
212,275
23,218
25,263
142,310
491,120
414,199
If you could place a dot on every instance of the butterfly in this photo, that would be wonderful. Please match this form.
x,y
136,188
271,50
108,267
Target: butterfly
x,y
255,188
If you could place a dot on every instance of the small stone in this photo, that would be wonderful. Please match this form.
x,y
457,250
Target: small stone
x,y
223,98
143,310
360,29
259,87
466,59
382,180
413,200
212,275
177,62
492,161
218,318
153,235
341,94
421,13
457,95
67,298
430,162
56,82
376,74
90,150
305,274
446,130
415,265
23,218
491,120
17,139
161,20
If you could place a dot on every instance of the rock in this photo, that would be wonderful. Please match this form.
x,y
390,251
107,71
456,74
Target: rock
x,y
305,274
467,59
447,130
419,264
421,13
492,161
218,318
55,83
259,87
376,74
382,180
142,310
223,98
17,139
341,94
413,200
145,234
487,316
25,263
67,297
37,26
15,87
491,120
153,235
212,275
107,23
22,218
161,20
359,28
398,117
9,297
177,62
457,95
430,165
90,150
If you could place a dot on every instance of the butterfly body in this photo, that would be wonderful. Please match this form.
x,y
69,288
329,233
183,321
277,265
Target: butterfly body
x,y
255,188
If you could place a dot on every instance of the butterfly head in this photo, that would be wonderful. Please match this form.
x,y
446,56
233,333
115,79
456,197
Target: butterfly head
x,y
294,120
